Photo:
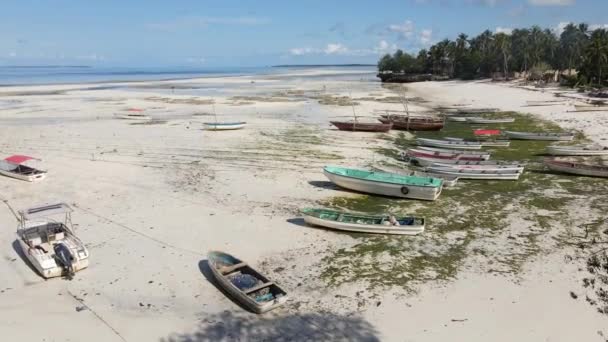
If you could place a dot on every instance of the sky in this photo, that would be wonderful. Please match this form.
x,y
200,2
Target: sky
x,y
228,33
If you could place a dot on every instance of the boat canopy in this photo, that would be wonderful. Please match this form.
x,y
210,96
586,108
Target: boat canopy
x,y
486,132
44,211
18,159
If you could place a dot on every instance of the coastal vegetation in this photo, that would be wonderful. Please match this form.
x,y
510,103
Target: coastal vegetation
x,y
578,54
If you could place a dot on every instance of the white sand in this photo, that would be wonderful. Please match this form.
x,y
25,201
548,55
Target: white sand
x,y
151,200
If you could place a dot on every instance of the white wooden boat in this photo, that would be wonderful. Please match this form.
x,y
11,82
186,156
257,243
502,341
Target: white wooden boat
x,y
478,120
253,290
132,116
448,181
449,144
548,136
223,126
476,110
50,246
501,167
591,108
386,184
423,161
359,223
414,153
449,150
476,174
575,168
485,142
577,150
457,118
14,167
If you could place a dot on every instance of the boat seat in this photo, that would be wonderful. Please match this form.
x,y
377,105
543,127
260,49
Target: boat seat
x,y
34,241
228,269
259,287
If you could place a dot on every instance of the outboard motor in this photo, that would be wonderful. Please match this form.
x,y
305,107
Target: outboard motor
x,y
64,258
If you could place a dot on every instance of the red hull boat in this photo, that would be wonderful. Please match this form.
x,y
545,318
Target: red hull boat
x,y
414,124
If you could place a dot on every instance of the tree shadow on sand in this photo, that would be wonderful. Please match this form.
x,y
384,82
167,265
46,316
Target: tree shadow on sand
x,y
228,326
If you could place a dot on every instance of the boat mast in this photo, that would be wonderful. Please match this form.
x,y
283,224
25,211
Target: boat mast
x,y
407,112
352,104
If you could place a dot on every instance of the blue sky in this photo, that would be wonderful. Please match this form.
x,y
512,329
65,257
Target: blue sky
x,y
198,33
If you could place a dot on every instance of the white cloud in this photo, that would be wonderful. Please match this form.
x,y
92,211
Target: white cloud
x,y
193,22
335,49
426,37
505,30
12,54
598,26
551,2
303,51
384,47
405,30
198,60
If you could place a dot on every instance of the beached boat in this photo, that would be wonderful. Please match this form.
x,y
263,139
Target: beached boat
x,y
426,161
576,168
476,174
430,152
386,184
14,167
403,122
448,181
591,108
450,150
449,144
577,150
362,126
254,291
132,116
413,153
407,225
478,120
50,246
468,166
484,142
486,132
224,126
547,136
476,110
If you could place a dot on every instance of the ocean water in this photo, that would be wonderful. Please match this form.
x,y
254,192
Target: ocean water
x,y
20,75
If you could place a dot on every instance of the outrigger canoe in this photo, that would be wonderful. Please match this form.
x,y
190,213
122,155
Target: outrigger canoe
x,y
407,225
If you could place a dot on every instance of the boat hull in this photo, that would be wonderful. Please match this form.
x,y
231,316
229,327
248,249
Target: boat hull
x,y
364,228
414,125
362,126
489,121
578,169
448,181
28,178
471,174
210,126
565,151
133,117
449,144
539,136
52,271
428,193
479,155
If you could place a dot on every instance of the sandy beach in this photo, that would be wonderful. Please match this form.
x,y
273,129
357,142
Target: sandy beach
x,y
151,198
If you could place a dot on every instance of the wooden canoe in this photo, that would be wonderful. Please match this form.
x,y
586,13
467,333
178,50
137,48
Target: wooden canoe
x,y
244,284
449,144
384,183
484,154
412,152
577,150
476,174
547,136
355,126
575,168
425,161
413,124
408,225
484,142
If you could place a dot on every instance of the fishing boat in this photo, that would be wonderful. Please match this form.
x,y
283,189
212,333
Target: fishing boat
x,y
476,110
385,224
448,181
51,246
478,120
14,167
577,150
591,108
362,126
576,168
404,122
457,118
386,184
132,116
426,161
476,174
504,167
250,288
484,142
439,153
449,144
224,126
547,136
449,150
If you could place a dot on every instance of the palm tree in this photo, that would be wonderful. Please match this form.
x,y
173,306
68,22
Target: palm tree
x,y
503,42
597,52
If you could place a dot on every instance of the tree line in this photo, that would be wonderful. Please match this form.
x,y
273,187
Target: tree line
x,y
580,55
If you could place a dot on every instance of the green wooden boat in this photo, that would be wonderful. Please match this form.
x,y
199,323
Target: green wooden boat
x,y
385,183
380,224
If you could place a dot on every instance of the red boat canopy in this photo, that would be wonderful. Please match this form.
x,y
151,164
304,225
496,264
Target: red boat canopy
x,y
18,159
486,132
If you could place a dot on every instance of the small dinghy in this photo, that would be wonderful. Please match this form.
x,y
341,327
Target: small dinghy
x,y
415,153
384,183
449,144
385,224
577,150
484,142
132,116
575,168
223,126
357,126
14,167
50,246
244,284
476,174
482,154
547,136
423,161
479,120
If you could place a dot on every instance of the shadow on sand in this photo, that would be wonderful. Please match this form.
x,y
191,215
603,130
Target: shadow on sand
x,y
324,185
298,222
228,326
19,251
